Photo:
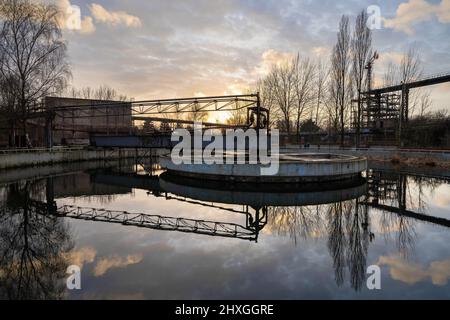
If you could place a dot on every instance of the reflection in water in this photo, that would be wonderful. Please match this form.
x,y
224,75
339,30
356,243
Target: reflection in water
x,y
344,223
35,243
33,247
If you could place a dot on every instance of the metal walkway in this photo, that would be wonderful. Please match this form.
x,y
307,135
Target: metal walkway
x,y
426,81
204,227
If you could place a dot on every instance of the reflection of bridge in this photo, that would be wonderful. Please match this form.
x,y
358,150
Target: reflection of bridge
x,y
390,185
204,227
386,192
410,214
381,186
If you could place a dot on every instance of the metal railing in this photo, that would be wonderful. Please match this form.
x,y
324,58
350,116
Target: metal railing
x,y
36,150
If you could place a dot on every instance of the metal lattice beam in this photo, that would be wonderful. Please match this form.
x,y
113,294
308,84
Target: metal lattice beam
x,y
204,227
151,107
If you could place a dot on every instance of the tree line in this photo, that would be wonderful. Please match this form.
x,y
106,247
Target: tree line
x,y
302,93
34,64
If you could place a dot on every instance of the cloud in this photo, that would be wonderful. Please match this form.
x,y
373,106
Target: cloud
x,y
386,57
114,18
321,51
270,58
415,11
104,264
87,25
410,273
443,13
71,18
218,47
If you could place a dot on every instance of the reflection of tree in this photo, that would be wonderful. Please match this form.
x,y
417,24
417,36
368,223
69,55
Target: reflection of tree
x,y
33,248
347,226
357,246
401,226
336,240
303,222
402,192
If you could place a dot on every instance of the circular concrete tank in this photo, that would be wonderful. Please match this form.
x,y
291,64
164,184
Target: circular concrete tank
x,y
256,197
292,168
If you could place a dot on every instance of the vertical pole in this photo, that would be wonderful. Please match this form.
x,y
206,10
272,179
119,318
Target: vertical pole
x,y
258,112
401,115
136,158
49,130
358,120
50,194
258,121
406,104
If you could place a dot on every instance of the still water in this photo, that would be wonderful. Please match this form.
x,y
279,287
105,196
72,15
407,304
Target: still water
x,y
161,237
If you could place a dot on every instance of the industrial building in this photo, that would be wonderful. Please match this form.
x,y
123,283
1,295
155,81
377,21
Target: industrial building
x,y
69,123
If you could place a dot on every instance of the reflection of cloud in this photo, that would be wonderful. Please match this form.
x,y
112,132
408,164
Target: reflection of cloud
x,y
82,255
442,195
439,271
415,11
104,264
114,17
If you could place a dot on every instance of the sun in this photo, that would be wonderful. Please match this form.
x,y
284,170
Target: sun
x,y
218,117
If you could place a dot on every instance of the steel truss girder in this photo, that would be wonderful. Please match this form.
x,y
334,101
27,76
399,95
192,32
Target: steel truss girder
x,y
204,227
148,107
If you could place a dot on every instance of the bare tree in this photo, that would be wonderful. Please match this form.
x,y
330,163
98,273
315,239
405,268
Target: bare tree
x,y
424,104
361,52
321,81
332,103
340,62
103,92
410,68
389,77
304,73
237,117
281,81
32,54
268,99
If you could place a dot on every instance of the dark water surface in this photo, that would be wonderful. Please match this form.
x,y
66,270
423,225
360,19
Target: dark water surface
x,y
185,239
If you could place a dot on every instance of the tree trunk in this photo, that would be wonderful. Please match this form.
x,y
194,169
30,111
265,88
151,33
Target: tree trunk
x,y
358,120
12,134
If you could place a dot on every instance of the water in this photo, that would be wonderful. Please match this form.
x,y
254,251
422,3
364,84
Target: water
x,y
294,245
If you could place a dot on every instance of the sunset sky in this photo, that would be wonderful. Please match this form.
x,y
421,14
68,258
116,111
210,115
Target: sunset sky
x,y
158,48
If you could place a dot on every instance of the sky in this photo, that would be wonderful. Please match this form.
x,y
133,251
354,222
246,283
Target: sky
x,y
164,49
